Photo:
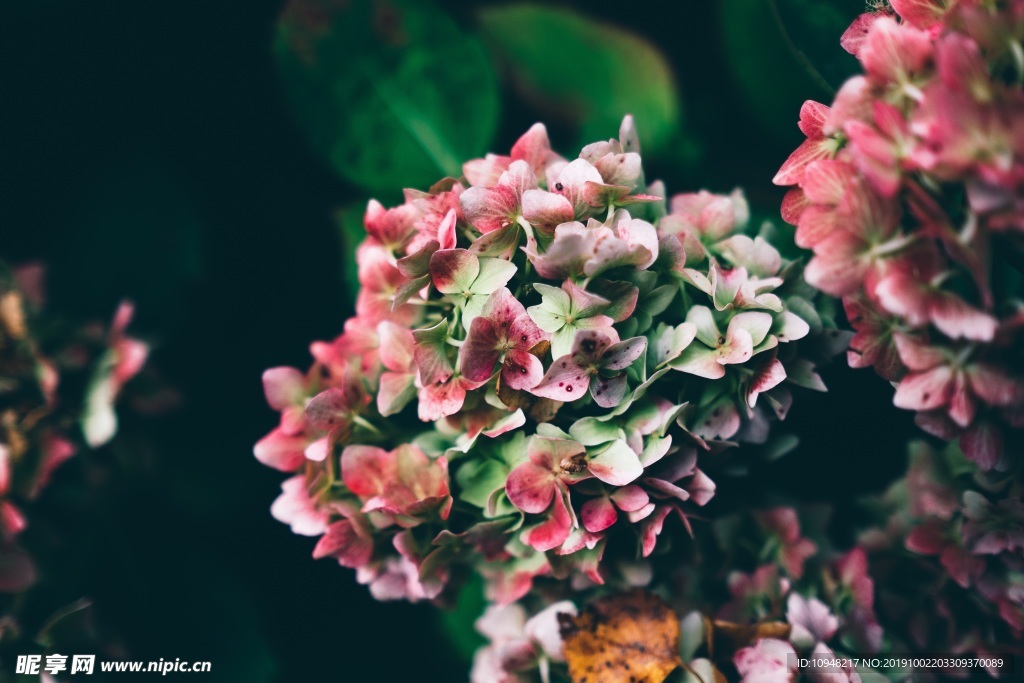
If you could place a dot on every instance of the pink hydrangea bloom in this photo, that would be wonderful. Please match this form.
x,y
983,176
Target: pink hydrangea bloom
x,y
521,387
900,190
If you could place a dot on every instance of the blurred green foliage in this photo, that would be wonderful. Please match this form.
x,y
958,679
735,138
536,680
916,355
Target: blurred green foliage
x,y
783,52
393,93
572,67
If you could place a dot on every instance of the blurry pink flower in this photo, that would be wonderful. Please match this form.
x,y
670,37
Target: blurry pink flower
x,y
533,147
853,38
296,508
816,146
287,391
874,344
868,231
445,398
335,409
348,540
755,595
703,218
379,281
396,384
993,528
934,537
393,229
940,378
766,661
912,288
811,620
793,548
894,53
923,14
404,484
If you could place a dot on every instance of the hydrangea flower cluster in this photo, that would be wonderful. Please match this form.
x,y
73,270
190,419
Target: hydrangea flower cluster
x,y
960,589
908,190
544,355
938,568
799,599
44,418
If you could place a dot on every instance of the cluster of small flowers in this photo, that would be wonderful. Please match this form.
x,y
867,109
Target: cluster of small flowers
x,y
909,191
781,611
962,588
43,421
825,612
533,367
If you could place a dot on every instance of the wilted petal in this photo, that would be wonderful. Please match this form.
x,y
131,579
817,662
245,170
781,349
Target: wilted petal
x,y
543,628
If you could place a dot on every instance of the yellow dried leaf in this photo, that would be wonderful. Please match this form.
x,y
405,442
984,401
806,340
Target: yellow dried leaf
x,y
626,638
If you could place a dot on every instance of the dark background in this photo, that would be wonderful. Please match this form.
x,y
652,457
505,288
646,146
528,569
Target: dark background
x,y
147,150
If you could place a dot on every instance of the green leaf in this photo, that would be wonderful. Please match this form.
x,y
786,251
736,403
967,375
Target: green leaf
x,y
479,479
569,65
392,93
459,623
590,431
778,49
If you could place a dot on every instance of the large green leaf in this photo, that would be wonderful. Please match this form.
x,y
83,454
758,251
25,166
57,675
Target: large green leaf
x,y
783,52
391,92
594,73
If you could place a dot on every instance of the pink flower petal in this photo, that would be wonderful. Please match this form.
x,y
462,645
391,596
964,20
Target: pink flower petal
x,y
454,270
853,38
598,514
551,533
343,543
396,346
630,498
281,451
617,464
521,370
925,390
480,352
283,387
566,380
366,470
530,487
